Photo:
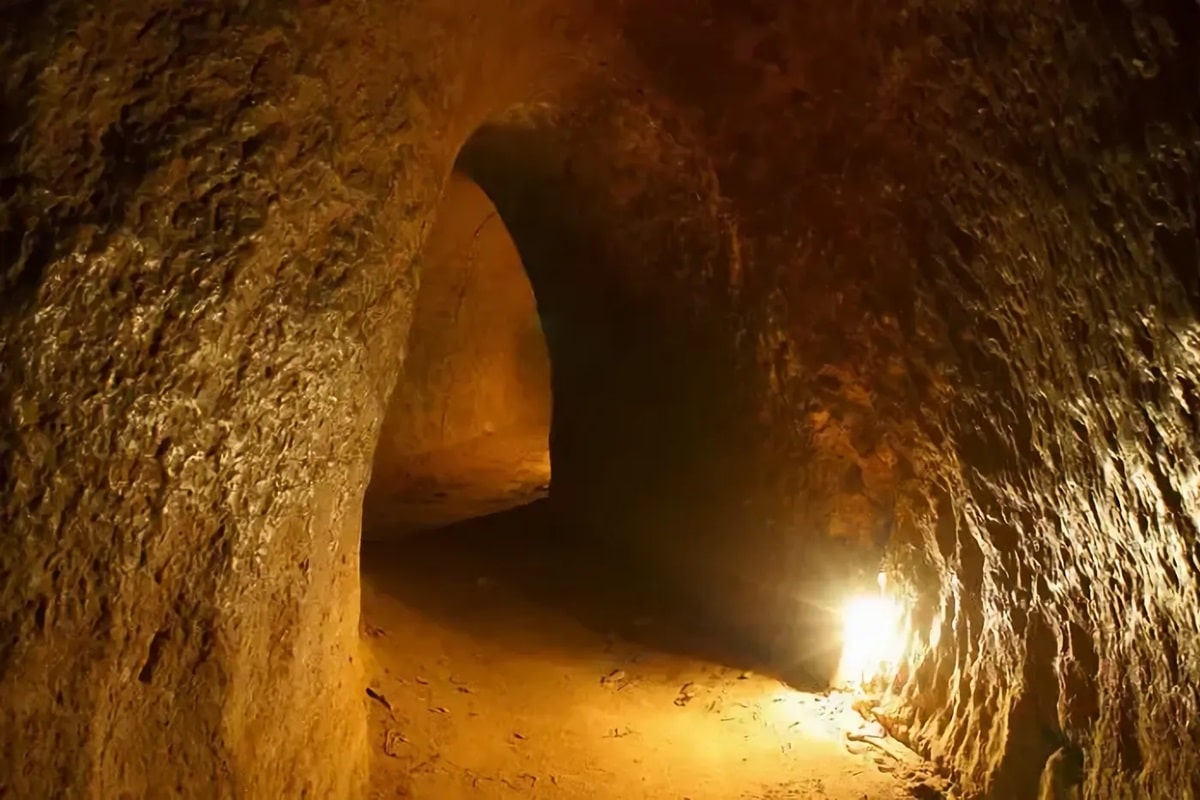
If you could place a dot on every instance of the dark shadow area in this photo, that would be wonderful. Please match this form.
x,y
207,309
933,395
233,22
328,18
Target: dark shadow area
x,y
657,436
651,395
466,575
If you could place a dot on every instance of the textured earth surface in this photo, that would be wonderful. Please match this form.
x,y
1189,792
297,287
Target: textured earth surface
x,y
475,362
473,479
504,664
821,284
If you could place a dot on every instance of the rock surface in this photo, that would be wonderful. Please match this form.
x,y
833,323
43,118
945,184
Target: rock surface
x,y
821,283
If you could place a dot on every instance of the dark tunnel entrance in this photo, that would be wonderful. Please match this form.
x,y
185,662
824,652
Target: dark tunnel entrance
x,y
509,621
542,335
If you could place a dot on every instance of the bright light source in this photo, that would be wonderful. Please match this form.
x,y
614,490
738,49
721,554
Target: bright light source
x,y
874,635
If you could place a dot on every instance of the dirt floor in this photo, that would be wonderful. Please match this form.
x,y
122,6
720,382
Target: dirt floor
x,y
481,476
505,663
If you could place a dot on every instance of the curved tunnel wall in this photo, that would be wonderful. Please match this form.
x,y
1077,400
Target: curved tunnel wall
x,y
967,335
928,311
476,362
467,427
200,324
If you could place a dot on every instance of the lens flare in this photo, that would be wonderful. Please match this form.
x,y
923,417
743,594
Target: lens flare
x,y
874,635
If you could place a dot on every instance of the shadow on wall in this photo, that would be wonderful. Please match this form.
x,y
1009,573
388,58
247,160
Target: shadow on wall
x,y
467,427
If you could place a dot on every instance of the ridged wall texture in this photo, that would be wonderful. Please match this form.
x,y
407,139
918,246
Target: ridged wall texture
x,y
823,284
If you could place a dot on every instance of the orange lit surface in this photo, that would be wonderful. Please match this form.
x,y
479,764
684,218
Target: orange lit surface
x,y
502,685
874,633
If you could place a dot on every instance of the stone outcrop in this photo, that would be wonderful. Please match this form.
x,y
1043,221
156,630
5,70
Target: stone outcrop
x,y
823,285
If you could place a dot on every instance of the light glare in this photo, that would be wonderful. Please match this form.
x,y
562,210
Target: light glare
x,y
873,637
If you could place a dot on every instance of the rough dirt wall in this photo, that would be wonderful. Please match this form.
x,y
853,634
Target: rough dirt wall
x,y
979,276
209,212
1066,545
961,241
919,276
475,363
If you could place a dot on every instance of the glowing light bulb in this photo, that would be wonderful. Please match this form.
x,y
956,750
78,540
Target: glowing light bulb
x,y
873,637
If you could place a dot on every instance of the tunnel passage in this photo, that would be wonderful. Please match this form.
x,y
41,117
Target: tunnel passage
x,y
656,440
515,638
654,437
916,276
467,428
531,626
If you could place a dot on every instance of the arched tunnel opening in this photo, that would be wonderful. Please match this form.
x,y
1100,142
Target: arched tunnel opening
x,y
502,606
664,398
467,429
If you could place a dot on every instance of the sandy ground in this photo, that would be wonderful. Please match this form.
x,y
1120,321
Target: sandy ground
x,y
477,477
504,663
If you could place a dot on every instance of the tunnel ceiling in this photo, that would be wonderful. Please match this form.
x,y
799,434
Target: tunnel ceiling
x,y
916,282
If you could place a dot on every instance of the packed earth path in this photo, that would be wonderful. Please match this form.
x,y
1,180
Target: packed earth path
x,y
503,662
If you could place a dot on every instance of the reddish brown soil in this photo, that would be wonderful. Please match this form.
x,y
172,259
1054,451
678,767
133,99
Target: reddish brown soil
x,y
503,663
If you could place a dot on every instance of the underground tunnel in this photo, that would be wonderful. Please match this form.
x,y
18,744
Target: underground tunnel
x,y
663,398
467,428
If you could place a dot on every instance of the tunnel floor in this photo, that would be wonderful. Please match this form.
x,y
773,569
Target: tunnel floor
x,y
503,663
481,476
